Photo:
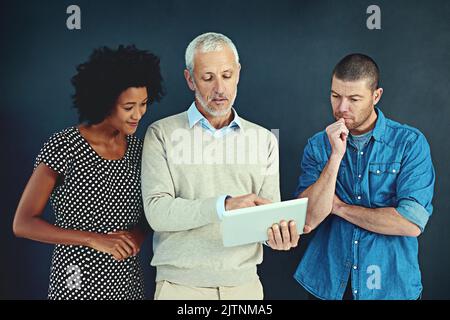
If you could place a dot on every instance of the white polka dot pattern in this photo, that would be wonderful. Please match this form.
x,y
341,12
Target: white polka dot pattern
x,y
97,195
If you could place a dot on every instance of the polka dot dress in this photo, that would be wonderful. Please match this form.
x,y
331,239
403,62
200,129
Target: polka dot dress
x,y
97,195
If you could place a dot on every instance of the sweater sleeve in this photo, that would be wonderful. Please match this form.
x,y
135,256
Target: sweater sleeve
x,y
164,211
270,188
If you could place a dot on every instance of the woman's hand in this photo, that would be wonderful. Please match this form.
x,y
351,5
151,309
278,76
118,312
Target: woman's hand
x,y
120,244
28,222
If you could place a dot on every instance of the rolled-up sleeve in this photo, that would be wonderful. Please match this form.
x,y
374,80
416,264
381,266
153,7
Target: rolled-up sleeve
x,y
414,212
415,184
310,171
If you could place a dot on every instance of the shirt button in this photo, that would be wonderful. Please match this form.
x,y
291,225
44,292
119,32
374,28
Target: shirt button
x,y
356,242
378,171
362,153
356,291
393,171
359,176
355,267
359,197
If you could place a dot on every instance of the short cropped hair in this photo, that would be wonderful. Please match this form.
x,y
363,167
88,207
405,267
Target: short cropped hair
x,y
108,72
208,42
356,67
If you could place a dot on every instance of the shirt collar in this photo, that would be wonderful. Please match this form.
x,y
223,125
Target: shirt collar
x,y
380,126
195,116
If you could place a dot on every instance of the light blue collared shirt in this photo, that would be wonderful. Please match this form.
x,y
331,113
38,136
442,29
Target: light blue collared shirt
x,y
196,118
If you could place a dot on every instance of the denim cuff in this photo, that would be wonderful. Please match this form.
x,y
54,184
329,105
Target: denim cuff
x,y
414,212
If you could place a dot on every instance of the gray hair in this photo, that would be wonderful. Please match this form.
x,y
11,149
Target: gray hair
x,y
208,42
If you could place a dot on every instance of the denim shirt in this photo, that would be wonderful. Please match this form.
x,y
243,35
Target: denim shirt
x,y
393,170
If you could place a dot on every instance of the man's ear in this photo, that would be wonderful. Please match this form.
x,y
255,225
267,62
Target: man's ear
x,y
189,79
377,95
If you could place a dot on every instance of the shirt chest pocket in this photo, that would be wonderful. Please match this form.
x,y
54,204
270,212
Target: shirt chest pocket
x,y
383,183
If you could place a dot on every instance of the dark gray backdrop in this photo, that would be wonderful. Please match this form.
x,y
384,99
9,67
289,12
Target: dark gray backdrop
x,y
287,50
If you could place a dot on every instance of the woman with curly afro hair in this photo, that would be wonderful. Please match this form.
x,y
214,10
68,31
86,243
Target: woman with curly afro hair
x,y
91,175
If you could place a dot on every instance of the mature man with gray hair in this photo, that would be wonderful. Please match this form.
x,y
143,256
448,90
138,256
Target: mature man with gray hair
x,y
197,165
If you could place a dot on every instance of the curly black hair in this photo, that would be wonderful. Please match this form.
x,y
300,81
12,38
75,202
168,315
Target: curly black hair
x,y
99,81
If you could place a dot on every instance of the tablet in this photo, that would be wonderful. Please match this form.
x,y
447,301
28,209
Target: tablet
x,y
249,225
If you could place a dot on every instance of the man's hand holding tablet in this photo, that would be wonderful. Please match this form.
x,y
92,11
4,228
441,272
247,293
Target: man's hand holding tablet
x,y
280,236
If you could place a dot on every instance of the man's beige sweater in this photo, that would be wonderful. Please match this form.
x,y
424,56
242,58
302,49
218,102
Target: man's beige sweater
x,y
184,171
